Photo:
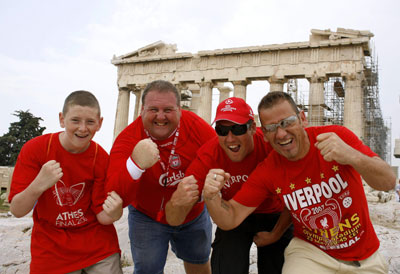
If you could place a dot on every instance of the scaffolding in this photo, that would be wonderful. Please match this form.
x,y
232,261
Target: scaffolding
x,y
299,95
377,130
334,101
333,106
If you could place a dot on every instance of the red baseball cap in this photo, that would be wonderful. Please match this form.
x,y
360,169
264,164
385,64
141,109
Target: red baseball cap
x,y
234,109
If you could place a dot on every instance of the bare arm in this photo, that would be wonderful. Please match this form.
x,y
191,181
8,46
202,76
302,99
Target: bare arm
x,y
182,201
112,209
23,202
226,214
264,238
376,172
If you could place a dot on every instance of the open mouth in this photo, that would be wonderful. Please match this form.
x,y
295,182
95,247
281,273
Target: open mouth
x,y
82,136
160,124
285,143
234,148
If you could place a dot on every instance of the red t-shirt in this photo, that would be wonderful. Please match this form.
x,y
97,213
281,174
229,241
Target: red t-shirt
x,y
211,156
326,199
148,194
66,235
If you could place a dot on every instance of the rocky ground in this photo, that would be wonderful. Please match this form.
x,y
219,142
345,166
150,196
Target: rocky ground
x,y
15,239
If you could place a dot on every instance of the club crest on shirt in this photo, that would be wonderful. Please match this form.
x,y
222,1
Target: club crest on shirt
x,y
175,161
68,196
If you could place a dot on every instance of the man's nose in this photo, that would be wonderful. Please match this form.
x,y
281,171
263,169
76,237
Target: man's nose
x,y
280,132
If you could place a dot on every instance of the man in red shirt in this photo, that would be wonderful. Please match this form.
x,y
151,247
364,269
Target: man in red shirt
x,y
316,172
147,161
238,149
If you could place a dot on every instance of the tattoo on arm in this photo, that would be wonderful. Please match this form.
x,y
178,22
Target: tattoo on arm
x,y
224,205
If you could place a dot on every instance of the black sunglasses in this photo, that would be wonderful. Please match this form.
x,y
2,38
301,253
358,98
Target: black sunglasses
x,y
236,130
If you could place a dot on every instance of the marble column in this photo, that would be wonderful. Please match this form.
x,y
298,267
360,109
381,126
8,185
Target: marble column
x,y
223,92
239,89
138,102
316,101
396,152
205,107
275,84
122,113
196,98
353,104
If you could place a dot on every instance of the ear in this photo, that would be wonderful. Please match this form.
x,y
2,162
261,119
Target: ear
x,y
100,123
142,110
265,138
179,112
303,119
253,128
61,119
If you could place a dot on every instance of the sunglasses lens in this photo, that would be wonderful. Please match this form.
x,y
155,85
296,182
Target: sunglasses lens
x,y
235,129
288,121
222,130
239,129
270,128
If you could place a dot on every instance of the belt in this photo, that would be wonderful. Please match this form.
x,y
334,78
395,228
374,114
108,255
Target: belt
x,y
354,263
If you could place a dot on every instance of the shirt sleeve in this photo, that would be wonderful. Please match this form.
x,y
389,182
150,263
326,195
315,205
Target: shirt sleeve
x,y
256,189
29,162
118,177
200,166
351,139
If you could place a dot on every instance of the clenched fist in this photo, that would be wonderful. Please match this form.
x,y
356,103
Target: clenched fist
x,y
113,206
145,154
48,175
187,192
333,148
215,181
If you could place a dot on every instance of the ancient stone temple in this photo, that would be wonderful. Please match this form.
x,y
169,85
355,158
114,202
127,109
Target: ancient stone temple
x,y
337,65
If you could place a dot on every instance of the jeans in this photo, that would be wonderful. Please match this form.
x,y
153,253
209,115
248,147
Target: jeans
x,y
150,240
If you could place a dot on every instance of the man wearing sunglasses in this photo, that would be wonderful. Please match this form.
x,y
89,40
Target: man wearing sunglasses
x,y
237,150
316,172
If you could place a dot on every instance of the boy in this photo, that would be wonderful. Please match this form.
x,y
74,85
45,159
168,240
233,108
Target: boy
x,y
61,176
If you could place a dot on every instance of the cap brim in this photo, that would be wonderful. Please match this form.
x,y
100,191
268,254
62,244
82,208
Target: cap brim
x,y
232,118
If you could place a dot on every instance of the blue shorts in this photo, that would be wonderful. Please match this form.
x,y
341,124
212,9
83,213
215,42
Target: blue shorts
x,y
150,240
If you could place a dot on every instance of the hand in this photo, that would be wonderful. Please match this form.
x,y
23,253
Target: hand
x,y
113,206
264,238
145,154
187,192
333,148
48,175
215,181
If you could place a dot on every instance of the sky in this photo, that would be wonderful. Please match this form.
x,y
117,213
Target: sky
x,y
50,48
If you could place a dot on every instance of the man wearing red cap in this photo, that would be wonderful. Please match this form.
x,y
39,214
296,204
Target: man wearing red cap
x,y
237,150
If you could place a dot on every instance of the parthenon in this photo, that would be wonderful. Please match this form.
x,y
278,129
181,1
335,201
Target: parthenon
x,y
339,67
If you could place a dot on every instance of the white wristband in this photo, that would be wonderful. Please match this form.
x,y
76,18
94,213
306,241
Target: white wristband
x,y
133,169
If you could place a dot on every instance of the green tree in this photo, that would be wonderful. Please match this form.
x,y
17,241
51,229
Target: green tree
x,y
18,134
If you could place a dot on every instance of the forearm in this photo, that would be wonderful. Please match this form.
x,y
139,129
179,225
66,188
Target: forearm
x,y
23,202
106,219
223,213
176,215
376,172
283,223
